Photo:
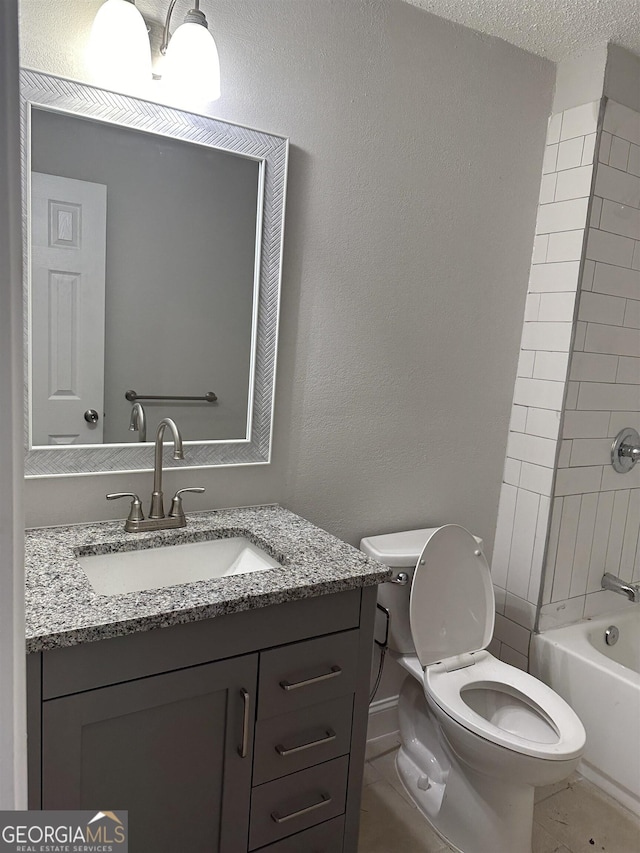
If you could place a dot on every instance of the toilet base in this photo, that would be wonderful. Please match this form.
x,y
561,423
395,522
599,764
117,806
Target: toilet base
x,y
472,812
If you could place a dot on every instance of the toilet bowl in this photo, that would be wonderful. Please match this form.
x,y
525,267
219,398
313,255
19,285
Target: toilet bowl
x,y
477,735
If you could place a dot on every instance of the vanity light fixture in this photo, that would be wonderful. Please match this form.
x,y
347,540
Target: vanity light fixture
x,y
191,56
119,52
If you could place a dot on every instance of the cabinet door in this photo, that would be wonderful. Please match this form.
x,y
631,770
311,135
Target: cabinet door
x,y
175,750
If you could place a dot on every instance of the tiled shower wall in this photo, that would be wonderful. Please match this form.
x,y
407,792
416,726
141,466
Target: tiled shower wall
x,y
565,515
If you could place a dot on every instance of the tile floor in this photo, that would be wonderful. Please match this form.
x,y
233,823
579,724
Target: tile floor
x,y
571,817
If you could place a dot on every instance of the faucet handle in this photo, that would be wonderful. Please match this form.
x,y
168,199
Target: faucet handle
x,y
176,510
135,512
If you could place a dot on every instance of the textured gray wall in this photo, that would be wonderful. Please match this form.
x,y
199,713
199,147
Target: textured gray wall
x,y
413,182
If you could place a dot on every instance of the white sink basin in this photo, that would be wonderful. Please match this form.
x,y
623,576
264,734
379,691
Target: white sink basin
x,y
169,565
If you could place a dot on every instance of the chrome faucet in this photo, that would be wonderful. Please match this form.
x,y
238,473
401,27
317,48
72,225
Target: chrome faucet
x,y
631,590
138,421
157,520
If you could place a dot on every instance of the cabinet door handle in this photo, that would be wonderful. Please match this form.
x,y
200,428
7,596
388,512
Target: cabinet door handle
x,y
291,750
326,799
243,749
293,685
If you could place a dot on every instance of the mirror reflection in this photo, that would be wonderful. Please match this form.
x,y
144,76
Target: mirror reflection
x,y
144,278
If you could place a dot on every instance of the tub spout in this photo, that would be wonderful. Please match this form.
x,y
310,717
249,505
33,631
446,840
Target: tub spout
x,y
631,590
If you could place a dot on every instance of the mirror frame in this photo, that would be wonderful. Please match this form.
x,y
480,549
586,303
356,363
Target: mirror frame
x,y
271,152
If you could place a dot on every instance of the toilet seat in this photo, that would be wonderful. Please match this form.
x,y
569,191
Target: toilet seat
x,y
547,718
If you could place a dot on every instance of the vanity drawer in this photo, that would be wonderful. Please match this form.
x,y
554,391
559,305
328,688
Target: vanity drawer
x,y
290,742
326,837
303,674
297,802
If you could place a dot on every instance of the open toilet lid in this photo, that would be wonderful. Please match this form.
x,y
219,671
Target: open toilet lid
x,y
452,607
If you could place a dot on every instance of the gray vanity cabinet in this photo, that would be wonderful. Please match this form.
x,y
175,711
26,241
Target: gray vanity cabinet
x,y
149,745
245,732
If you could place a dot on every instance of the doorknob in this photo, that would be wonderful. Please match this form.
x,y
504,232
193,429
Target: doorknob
x,y
91,416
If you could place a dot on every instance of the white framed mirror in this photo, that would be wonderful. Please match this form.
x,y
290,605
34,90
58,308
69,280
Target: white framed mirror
x,y
152,259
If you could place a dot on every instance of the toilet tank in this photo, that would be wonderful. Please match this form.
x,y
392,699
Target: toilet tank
x,y
399,551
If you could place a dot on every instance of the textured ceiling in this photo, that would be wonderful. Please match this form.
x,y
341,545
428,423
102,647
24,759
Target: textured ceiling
x,y
551,28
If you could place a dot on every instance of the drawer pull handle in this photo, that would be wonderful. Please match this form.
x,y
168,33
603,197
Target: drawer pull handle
x,y
326,799
293,685
243,749
284,751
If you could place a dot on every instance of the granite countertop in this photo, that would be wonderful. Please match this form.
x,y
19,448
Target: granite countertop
x,y
63,610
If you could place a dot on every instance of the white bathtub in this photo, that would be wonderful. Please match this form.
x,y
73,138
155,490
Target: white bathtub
x,y
602,684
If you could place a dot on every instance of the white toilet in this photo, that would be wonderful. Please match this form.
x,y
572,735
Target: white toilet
x,y
488,733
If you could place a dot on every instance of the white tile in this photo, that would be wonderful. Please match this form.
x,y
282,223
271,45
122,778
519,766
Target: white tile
x,y
524,531
616,532
596,212
565,246
539,393
600,540
543,422
513,658
584,540
570,153
621,420
635,263
537,561
504,531
616,281
601,308
500,596
520,611
609,248
552,548
633,165
555,337
612,481
605,147
532,306
580,121
561,613
632,313
548,188
494,648
556,307
551,365
589,148
578,481
580,424
620,219
511,473
619,154
614,340
590,451
630,538
564,456
574,183
593,367
603,396
553,128
562,216
617,186
622,121
531,448
628,369
588,273
571,395
526,362
540,243
552,278
579,336
518,418
536,478
604,601
566,547
550,158
512,634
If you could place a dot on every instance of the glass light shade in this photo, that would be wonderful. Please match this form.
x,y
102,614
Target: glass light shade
x,y
192,64
119,53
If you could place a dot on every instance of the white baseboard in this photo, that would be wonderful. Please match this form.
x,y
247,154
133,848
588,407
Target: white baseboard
x,y
383,717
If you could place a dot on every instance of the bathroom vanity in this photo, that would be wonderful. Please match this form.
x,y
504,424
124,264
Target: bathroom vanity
x,y
226,714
